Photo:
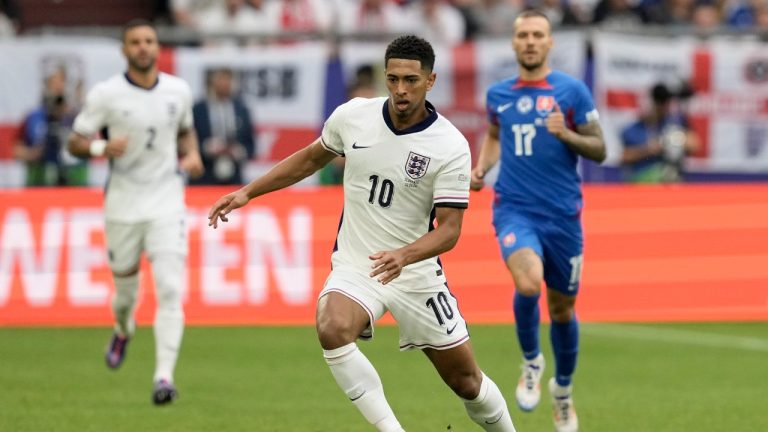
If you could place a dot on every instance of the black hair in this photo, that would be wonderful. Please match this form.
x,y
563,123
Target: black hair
x,y
138,22
661,94
411,47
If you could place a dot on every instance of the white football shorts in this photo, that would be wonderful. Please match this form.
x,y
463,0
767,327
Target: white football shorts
x,y
428,318
126,241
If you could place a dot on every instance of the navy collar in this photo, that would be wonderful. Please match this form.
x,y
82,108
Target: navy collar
x,y
135,84
418,127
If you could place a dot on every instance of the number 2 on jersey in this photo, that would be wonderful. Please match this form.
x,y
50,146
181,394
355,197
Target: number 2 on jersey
x,y
151,141
524,134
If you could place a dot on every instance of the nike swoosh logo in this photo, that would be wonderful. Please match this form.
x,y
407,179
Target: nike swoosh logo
x,y
504,107
355,146
358,397
450,330
501,414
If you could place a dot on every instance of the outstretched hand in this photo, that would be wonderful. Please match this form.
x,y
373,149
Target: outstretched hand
x,y
224,205
556,122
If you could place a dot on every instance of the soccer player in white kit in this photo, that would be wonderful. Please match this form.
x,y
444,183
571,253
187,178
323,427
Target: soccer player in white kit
x,y
406,166
148,119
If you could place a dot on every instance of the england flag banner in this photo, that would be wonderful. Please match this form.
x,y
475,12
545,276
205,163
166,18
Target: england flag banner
x,y
729,106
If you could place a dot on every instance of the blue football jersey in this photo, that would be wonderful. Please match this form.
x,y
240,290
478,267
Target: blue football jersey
x,y
538,171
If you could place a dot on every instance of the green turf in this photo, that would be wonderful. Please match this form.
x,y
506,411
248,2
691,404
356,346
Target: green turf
x,y
661,377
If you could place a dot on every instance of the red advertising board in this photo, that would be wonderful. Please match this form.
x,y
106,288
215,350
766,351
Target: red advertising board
x,y
653,253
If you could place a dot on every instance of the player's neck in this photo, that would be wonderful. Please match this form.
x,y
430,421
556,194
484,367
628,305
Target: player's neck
x,y
417,117
537,74
145,80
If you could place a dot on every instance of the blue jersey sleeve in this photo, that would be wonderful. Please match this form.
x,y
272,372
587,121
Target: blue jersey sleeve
x,y
490,108
583,108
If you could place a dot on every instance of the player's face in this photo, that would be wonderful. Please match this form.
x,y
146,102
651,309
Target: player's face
x,y
408,85
140,48
532,41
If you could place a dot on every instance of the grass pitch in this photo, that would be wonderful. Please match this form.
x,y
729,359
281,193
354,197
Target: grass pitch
x,y
634,377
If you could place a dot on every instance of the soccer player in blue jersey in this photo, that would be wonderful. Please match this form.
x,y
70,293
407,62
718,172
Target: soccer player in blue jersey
x,y
540,123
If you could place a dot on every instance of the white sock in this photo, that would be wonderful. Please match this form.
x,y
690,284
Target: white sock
x,y
169,318
124,303
358,379
489,409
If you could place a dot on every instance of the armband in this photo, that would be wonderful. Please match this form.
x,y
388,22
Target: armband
x,y
98,147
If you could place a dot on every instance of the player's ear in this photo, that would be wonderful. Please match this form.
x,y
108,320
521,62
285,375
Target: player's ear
x,y
431,80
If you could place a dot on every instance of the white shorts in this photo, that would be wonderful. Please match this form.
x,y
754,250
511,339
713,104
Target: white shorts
x,y
126,241
427,318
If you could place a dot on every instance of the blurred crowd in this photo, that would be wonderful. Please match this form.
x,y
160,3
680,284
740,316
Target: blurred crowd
x,y
654,145
440,21
453,21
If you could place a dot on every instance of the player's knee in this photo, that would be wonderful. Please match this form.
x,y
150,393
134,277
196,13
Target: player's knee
x,y
465,384
168,291
124,271
335,331
528,284
561,312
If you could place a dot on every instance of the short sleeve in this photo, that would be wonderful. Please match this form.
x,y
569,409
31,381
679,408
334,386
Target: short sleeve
x,y
92,117
452,181
331,135
584,110
491,108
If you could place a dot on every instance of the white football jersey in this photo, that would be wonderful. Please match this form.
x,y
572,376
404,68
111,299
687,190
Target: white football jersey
x,y
392,182
145,182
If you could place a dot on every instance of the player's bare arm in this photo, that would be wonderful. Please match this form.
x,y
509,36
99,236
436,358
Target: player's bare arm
x,y
587,140
190,162
490,151
287,172
83,147
387,265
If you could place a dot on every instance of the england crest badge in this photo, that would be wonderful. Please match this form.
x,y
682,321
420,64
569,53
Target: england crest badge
x,y
416,165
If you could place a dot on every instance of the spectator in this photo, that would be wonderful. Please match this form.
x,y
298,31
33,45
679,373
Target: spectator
x,y
655,145
234,17
670,12
706,19
300,16
225,131
373,17
558,11
187,13
497,17
44,135
617,14
9,18
745,13
441,23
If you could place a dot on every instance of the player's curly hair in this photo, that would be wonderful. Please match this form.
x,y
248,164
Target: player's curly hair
x,y
411,47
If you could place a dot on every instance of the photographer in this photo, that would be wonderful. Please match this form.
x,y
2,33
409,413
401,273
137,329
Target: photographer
x,y
655,146
44,136
225,130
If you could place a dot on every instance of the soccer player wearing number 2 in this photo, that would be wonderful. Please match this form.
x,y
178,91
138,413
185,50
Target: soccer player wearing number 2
x,y
148,120
406,166
540,123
